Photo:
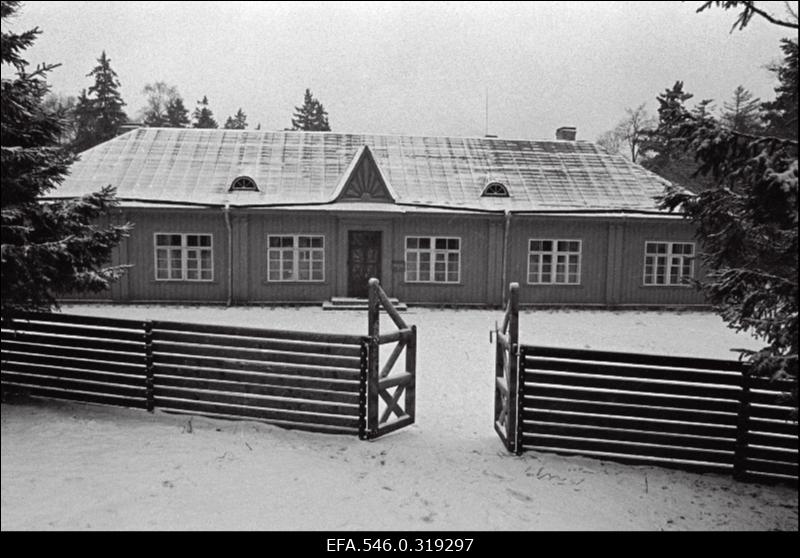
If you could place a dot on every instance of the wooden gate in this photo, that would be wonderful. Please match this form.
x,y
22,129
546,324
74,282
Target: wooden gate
x,y
506,381
691,413
388,414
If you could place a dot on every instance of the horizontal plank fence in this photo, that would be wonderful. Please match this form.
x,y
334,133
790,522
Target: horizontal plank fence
x,y
322,382
302,380
83,358
690,413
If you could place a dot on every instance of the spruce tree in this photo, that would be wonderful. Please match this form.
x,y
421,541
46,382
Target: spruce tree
x,y
54,247
85,123
747,224
203,117
311,116
664,157
177,113
102,113
743,112
781,114
236,122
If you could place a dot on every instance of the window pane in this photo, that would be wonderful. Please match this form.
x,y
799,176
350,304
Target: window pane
x,y
547,245
175,240
274,242
425,243
535,245
192,240
412,243
453,243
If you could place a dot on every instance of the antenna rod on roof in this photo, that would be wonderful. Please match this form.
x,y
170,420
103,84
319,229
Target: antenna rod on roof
x,y
486,131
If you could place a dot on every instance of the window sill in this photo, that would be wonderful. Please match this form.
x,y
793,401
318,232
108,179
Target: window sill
x,y
183,281
267,282
560,285
432,284
666,286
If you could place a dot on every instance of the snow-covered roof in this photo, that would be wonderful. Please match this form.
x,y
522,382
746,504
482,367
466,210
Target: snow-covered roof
x,y
177,165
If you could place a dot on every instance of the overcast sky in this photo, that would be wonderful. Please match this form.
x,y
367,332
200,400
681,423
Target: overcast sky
x,y
411,68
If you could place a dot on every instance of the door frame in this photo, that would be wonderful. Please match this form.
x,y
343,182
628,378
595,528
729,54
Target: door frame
x,y
347,224
350,233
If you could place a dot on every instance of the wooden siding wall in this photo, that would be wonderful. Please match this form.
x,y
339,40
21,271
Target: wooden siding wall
x,y
254,251
631,275
141,279
481,260
593,235
612,257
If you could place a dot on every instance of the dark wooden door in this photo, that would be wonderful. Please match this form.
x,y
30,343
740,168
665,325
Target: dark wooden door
x,y
363,261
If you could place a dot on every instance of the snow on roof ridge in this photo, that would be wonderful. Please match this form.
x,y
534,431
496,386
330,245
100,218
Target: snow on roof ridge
x,y
376,134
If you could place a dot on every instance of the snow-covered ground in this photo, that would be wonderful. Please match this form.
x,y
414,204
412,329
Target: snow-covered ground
x,y
74,466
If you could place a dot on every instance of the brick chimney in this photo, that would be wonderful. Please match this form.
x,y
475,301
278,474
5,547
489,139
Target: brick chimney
x,y
566,133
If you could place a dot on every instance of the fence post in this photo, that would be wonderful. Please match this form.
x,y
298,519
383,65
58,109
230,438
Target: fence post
x,y
362,389
373,360
148,365
513,368
742,429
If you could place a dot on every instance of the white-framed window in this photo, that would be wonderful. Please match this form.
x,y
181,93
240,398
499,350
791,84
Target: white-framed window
x,y
554,262
668,263
184,257
433,259
296,257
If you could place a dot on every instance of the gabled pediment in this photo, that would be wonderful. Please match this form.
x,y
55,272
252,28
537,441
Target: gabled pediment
x,y
363,181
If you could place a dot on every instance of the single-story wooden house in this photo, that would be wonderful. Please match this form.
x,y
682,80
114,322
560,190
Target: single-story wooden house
x,y
232,216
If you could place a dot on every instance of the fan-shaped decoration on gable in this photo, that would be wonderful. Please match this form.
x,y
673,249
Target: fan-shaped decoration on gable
x,y
495,190
243,184
365,182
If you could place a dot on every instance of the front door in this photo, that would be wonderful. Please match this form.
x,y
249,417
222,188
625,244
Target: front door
x,y
363,261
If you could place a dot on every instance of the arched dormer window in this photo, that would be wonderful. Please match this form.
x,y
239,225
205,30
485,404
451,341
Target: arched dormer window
x,y
495,190
243,184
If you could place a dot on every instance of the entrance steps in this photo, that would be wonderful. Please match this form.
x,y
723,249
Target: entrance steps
x,y
347,303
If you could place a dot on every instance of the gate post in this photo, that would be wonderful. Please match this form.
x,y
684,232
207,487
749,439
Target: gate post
x,y
411,368
362,389
373,360
513,367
